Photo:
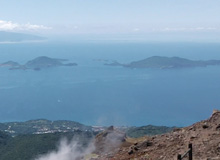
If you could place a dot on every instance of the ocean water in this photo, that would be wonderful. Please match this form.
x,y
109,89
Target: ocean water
x,y
95,94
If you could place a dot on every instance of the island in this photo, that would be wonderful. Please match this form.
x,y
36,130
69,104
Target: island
x,y
159,62
13,37
37,64
10,64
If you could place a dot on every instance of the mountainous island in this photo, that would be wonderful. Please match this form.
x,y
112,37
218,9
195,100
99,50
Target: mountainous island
x,y
159,62
37,63
7,37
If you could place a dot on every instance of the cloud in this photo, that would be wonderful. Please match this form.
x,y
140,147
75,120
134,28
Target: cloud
x,y
7,25
29,26
136,29
10,26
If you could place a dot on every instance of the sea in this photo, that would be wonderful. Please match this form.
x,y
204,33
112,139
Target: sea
x,y
95,94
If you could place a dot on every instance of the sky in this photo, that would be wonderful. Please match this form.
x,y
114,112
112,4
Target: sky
x,y
153,18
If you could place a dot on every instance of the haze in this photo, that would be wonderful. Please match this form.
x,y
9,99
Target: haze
x,y
136,20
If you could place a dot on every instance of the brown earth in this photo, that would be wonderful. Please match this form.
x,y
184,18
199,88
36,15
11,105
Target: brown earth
x,y
204,136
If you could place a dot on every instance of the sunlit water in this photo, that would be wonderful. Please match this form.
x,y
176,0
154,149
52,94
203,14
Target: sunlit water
x,y
95,94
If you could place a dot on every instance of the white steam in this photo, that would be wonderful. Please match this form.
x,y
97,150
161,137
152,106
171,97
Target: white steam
x,y
68,151
106,142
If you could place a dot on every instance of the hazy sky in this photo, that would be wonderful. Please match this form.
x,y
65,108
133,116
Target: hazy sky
x,y
111,16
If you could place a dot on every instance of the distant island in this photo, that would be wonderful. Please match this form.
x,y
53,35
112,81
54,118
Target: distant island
x,y
11,37
37,63
159,62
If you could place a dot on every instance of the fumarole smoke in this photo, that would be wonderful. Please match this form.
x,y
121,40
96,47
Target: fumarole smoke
x,y
68,151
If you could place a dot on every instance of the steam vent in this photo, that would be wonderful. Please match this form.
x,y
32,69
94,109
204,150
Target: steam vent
x,y
204,136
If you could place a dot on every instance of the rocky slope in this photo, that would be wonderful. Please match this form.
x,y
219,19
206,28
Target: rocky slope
x,y
204,136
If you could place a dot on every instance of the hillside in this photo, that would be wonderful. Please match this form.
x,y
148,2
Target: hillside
x,y
37,137
45,62
28,147
37,63
159,62
26,140
203,135
136,132
42,126
18,37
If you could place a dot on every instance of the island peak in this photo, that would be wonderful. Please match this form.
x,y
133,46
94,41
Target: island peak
x,y
38,63
162,62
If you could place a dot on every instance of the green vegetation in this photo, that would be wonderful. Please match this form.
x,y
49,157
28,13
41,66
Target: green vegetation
x,y
28,147
27,140
4,138
136,132
42,126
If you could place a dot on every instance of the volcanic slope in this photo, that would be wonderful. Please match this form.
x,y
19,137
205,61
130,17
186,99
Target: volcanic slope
x,y
204,136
